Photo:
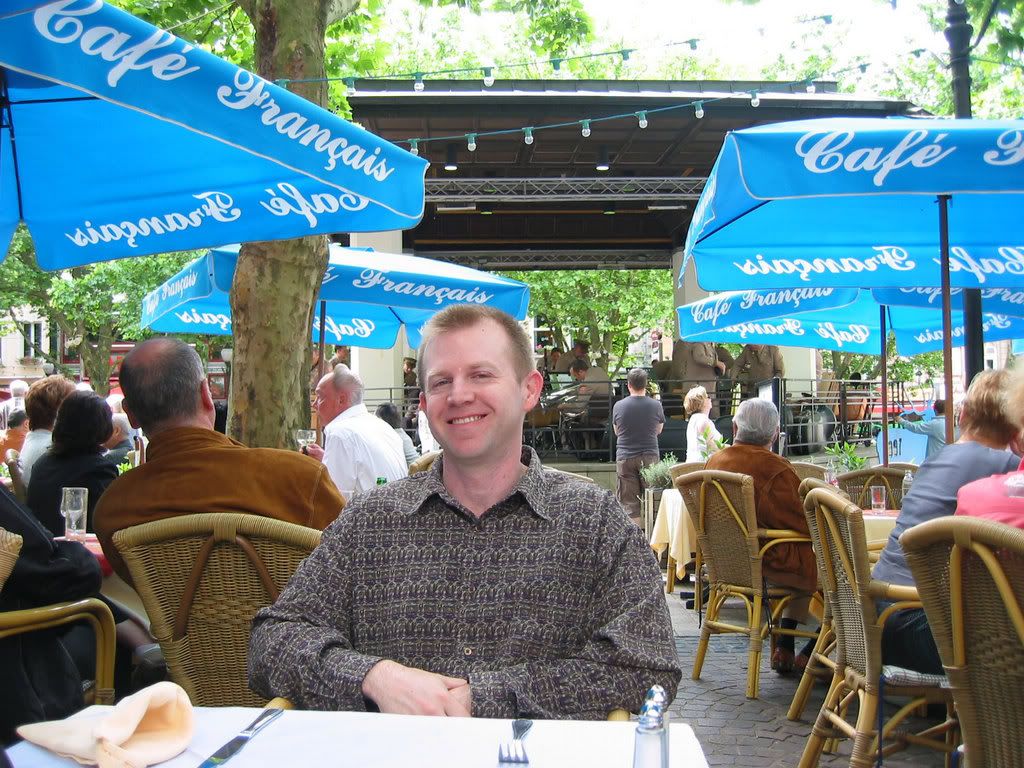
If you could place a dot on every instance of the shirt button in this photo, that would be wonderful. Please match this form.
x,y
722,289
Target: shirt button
x,y
467,651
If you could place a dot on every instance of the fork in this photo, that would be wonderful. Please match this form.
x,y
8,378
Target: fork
x,y
513,752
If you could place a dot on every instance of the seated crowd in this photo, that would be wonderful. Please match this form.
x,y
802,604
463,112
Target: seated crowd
x,y
433,593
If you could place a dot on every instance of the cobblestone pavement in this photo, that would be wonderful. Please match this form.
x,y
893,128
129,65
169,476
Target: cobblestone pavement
x,y
736,731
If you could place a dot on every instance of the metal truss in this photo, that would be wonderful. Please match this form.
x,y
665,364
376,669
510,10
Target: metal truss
x,y
542,258
456,190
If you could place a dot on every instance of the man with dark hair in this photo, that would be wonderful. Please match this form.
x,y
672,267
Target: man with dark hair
x,y
934,429
17,431
388,413
533,595
189,467
637,421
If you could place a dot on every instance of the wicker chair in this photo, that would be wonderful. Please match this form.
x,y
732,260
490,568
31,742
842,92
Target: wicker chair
x,y
90,610
13,461
730,541
685,468
857,485
980,639
805,469
201,579
837,528
423,463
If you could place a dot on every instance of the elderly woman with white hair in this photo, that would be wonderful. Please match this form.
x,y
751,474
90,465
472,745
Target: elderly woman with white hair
x,y
777,505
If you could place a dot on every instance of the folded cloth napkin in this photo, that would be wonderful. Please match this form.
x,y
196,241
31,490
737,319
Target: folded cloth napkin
x,y
147,727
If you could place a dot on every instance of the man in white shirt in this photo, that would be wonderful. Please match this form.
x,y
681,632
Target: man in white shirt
x,y
358,446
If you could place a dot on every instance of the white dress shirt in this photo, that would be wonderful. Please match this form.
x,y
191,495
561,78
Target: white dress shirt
x,y
359,448
36,443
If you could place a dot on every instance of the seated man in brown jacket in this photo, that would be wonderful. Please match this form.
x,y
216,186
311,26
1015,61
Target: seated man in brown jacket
x,y
777,505
189,467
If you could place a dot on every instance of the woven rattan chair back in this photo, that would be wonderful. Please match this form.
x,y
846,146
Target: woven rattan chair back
x,y
904,467
837,532
857,485
721,507
685,468
970,576
13,461
808,484
10,547
805,469
201,579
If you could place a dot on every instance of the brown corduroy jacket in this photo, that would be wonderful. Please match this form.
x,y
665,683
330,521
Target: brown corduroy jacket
x,y
191,470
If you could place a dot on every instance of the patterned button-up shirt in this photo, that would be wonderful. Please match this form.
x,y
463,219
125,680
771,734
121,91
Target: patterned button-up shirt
x,y
550,603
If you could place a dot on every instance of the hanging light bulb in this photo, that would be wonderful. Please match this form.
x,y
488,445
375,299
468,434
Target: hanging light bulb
x,y
693,43
418,85
414,146
556,66
641,119
488,77
451,162
471,142
827,19
585,130
755,100
350,86
698,109
625,53
810,87
602,159
528,135
863,68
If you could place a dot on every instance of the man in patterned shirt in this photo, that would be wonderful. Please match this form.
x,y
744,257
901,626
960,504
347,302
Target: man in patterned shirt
x,y
488,586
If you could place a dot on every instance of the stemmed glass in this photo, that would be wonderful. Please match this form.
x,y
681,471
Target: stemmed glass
x,y
305,437
73,504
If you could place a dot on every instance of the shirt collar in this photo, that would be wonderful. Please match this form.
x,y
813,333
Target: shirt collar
x,y
359,409
530,486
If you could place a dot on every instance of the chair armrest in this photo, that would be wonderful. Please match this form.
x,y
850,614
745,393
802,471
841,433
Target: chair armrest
x,y
775,536
95,612
618,715
883,590
279,702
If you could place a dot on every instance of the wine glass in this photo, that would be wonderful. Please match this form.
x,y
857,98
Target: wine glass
x,y
304,437
73,504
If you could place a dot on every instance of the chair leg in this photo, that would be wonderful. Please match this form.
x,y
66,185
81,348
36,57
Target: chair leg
x,y
865,742
803,691
670,582
756,646
822,727
698,583
714,604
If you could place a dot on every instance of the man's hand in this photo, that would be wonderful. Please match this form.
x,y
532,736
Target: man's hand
x,y
402,690
314,450
720,366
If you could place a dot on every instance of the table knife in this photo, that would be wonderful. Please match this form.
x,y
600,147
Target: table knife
x,y
234,746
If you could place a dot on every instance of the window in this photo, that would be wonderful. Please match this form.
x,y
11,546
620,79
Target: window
x,y
33,336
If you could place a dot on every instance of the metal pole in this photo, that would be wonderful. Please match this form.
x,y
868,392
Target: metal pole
x,y
947,322
958,34
885,392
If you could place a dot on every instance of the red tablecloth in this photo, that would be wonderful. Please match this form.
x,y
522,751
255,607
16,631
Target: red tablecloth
x,y
93,545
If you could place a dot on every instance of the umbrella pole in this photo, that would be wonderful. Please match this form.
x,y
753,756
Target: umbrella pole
x,y
947,322
885,390
321,363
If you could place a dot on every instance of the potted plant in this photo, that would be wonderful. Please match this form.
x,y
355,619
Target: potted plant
x,y
657,478
844,455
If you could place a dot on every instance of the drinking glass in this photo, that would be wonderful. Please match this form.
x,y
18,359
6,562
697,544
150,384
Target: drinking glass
x,y
305,437
878,498
73,504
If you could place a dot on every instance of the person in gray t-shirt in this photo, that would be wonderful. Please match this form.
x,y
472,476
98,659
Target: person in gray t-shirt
x,y
637,421
987,430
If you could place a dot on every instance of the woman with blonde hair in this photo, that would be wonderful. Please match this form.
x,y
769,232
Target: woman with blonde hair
x,y
702,439
988,430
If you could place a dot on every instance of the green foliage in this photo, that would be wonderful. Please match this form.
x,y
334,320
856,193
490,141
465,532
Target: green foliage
x,y
124,466
657,475
846,456
610,309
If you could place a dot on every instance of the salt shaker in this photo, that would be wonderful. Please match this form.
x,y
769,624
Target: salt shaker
x,y
650,748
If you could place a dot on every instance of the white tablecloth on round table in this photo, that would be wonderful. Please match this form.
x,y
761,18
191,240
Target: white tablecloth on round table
x,y
674,529
370,740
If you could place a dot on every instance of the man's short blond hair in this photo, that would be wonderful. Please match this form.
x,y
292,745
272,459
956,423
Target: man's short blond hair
x,y
987,409
458,316
694,400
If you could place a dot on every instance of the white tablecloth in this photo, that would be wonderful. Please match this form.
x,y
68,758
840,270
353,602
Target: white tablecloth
x,y
673,528
371,740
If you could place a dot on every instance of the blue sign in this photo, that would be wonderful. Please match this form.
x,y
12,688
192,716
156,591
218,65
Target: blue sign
x,y
904,446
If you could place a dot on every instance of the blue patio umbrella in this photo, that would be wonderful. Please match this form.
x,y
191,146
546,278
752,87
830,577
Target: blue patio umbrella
x,y
834,321
365,296
1002,301
864,202
118,139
